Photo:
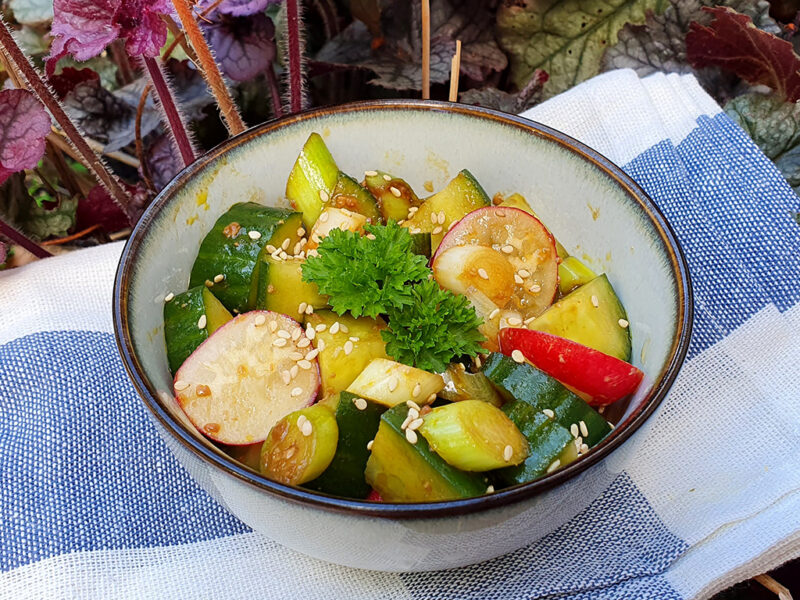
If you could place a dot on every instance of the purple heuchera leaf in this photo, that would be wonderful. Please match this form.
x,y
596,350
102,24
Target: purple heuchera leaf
x,y
162,161
24,124
244,8
83,28
3,253
244,46
69,78
98,207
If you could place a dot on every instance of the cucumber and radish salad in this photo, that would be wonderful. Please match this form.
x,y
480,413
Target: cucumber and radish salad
x,y
374,344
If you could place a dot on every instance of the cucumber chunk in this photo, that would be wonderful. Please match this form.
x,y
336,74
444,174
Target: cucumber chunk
x,y
474,436
339,368
421,244
462,385
403,472
548,442
576,318
300,446
334,218
461,196
182,315
230,252
573,273
389,383
519,201
358,425
350,194
281,287
526,383
246,377
312,180
394,205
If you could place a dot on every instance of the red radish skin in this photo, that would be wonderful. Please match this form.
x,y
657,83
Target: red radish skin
x,y
374,497
601,378
236,385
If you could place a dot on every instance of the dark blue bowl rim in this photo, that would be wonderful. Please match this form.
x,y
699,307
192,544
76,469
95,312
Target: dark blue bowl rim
x,y
221,461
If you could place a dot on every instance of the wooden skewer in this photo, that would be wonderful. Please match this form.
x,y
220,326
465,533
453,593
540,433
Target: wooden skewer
x,y
774,587
426,49
455,68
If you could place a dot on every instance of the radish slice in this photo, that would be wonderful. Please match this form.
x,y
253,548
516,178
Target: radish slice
x,y
248,375
504,253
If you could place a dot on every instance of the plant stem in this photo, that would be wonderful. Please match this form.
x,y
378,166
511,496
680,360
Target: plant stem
x,y
65,174
209,68
92,161
295,54
124,68
27,243
275,91
167,101
137,127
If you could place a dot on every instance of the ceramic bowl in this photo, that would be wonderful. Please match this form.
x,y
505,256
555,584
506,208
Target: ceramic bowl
x,y
591,206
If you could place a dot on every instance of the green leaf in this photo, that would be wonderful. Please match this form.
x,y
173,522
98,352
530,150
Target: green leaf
x,y
32,12
774,125
566,38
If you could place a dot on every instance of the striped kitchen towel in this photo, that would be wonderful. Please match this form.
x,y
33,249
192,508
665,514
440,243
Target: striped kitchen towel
x,y
93,505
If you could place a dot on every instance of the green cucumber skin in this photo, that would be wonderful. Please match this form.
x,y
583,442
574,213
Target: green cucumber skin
x,y
345,475
525,383
465,484
365,203
237,257
546,440
476,187
421,244
181,333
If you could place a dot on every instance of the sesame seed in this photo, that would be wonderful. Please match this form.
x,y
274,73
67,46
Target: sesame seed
x,y
290,452
549,413
302,307
284,334
415,424
348,347
273,325
344,328
369,444
412,404
370,173
483,274
260,320
573,429
584,429
320,345
584,448
360,403
595,301
307,428
478,361
437,230
623,323
286,377
501,213
301,419
254,235
494,313
434,218
518,356
312,354
304,364
514,321
453,224
535,288
305,342
354,339
335,328
441,218
508,452
296,333
309,310
507,249
431,398
295,356
490,489
323,217
294,371
285,244
524,273
209,283
202,321
219,278
320,327
371,236
413,209
518,280
387,177
393,383
311,333
407,420
578,443
270,248
413,230
395,192
169,297
610,424
181,385
413,414
279,342
411,436
554,465
323,195
296,392
296,248
300,232
529,320
283,255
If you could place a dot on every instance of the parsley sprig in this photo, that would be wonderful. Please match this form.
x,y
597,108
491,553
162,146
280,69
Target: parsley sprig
x,y
379,274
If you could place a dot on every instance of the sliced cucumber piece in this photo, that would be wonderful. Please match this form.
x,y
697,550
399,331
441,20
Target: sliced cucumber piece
x,y
461,196
358,422
460,384
334,218
404,472
183,316
590,316
519,201
421,244
345,349
351,195
300,446
246,377
230,252
312,180
281,288
389,383
395,196
573,273
474,436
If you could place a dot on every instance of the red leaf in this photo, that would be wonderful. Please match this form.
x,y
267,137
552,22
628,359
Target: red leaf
x,y
732,42
98,207
24,125
65,82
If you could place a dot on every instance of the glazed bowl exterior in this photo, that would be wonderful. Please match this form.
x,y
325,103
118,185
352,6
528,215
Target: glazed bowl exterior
x,y
597,212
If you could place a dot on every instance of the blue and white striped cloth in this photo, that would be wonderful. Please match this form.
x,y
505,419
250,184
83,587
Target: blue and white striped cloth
x,y
92,504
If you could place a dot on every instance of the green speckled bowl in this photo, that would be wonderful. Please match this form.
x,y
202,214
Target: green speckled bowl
x,y
593,208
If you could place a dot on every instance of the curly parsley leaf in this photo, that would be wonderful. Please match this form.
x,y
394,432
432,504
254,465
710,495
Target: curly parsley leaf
x,y
435,328
363,275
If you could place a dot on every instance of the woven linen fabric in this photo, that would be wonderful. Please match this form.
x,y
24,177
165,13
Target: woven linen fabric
x,y
93,505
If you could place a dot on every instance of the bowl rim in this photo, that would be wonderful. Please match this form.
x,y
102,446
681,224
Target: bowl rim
x,y
426,510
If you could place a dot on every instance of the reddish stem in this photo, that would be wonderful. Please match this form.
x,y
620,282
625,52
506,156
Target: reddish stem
x,y
275,91
167,102
92,161
27,243
295,52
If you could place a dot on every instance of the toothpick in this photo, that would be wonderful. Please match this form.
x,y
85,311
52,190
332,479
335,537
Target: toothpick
x,y
426,49
455,69
774,587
